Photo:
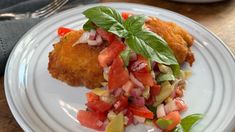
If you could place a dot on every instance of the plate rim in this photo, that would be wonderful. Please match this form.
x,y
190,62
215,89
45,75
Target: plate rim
x,y
9,99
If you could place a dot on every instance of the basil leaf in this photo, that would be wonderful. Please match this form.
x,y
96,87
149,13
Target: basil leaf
x,y
164,55
178,129
163,124
125,55
107,18
134,23
165,77
140,47
190,120
89,26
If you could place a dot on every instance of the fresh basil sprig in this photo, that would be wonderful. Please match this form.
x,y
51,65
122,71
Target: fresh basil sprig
x,y
107,18
188,122
125,55
89,26
143,42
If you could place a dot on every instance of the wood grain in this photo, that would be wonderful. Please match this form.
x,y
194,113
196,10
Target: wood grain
x,y
217,17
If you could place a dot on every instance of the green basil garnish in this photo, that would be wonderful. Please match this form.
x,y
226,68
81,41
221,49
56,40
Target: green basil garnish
x,y
188,122
146,43
134,23
178,128
155,47
89,26
107,18
125,55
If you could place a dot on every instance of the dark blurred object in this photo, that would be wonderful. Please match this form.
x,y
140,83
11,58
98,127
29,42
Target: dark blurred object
x,y
11,31
198,1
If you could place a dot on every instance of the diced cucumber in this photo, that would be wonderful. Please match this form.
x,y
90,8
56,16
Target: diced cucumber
x,y
166,90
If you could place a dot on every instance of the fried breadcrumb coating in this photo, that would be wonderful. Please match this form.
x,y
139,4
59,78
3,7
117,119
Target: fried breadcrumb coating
x,y
178,39
75,65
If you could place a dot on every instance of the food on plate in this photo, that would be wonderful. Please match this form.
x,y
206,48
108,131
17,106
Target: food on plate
x,y
177,38
61,68
75,65
132,62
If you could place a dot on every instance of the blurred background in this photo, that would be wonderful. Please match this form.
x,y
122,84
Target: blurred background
x,y
219,17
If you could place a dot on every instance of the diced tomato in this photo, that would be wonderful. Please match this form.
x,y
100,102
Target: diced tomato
x,y
181,105
62,31
91,119
105,35
150,100
108,54
118,75
99,106
121,104
128,86
155,90
175,117
92,97
125,15
145,78
141,111
140,70
140,65
179,92
130,117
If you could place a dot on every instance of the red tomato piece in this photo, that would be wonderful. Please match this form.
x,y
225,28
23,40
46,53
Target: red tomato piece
x,y
106,35
150,100
140,65
175,117
92,97
99,106
121,104
141,111
90,119
125,15
62,31
181,105
108,54
130,117
118,75
155,90
145,78
140,70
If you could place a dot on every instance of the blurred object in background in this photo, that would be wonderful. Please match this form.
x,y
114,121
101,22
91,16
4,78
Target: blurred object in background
x,y
198,1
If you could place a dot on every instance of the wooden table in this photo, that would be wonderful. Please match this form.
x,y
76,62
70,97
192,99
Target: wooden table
x,y
218,17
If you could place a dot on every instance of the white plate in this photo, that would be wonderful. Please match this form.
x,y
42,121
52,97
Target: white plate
x,y
41,103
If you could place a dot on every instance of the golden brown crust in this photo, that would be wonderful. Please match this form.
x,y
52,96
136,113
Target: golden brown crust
x,y
76,65
177,38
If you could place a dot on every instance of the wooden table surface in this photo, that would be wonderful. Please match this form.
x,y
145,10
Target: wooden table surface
x,y
217,17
